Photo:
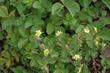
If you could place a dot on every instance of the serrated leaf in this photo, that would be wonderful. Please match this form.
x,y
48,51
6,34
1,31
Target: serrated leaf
x,y
22,31
33,62
28,3
85,3
19,69
105,34
50,28
57,7
21,8
28,23
12,13
50,41
72,6
79,29
102,22
44,4
90,43
107,3
3,11
37,4
22,42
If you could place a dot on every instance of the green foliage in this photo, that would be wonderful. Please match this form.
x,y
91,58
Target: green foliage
x,y
72,6
53,36
107,3
3,11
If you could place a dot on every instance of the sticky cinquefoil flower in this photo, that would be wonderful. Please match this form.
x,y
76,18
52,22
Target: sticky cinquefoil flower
x,y
38,33
97,40
58,33
86,30
46,52
76,57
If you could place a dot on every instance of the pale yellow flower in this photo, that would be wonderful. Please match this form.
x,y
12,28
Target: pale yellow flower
x,y
97,40
38,33
46,52
67,46
103,45
95,29
80,68
76,57
86,30
58,33
42,46
96,43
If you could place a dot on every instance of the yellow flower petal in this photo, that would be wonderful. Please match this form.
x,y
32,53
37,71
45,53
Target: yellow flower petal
x,y
46,52
58,33
86,30
76,57
38,33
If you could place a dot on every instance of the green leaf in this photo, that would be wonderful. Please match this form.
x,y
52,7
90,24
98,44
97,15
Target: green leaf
x,y
37,5
70,21
28,23
59,28
79,29
46,4
22,31
2,0
59,68
72,6
13,40
56,20
90,43
1,35
102,22
21,8
28,3
35,61
50,28
12,13
22,42
50,41
107,3
57,7
2,61
104,13
105,34
3,11
57,71
19,69
74,43
85,3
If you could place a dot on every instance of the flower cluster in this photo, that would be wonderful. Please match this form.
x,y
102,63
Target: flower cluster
x,y
76,57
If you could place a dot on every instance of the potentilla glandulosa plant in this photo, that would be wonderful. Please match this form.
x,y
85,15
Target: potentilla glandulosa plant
x,y
54,36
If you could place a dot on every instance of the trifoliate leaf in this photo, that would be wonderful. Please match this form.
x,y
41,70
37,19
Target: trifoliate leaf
x,y
72,6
